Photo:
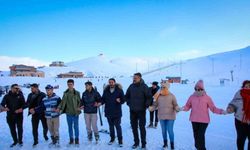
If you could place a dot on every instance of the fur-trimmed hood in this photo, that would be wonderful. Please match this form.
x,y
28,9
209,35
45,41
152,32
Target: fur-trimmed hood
x,y
117,85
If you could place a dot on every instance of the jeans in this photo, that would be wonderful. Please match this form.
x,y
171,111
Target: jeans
x,y
73,121
135,117
167,126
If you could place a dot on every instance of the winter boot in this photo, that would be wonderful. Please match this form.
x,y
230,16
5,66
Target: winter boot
x,y
165,145
172,145
14,144
35,143
97,137
90,137
71,141
57,143
77,141
52,141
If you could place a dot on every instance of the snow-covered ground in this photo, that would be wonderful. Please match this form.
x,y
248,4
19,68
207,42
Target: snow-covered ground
x,y
220,134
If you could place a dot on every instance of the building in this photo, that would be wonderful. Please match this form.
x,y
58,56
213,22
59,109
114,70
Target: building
x,y
25,71
173,79
57,64
71,74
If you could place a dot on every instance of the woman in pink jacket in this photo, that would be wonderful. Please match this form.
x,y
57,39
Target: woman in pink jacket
x,y
199,103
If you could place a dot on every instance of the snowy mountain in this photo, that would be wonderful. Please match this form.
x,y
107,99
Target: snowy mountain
x,y
212,67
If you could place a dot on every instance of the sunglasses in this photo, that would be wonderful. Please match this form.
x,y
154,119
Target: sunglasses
x,y
198,89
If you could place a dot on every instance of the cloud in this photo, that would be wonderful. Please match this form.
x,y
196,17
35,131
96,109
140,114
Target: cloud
x,y
168,31
7,61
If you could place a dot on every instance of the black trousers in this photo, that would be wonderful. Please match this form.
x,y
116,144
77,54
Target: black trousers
x,y
35,123
243,132
16,121
199,130
135,118
152,114
115,123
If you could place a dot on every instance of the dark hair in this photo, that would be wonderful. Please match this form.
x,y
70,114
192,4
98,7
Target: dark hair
x,y
155,83
14,85
35,85
70,81
112,79
138,74
245,82
88,83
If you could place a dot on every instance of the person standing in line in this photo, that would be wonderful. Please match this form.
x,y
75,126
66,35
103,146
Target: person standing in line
x,y
138,98
167,106
199,102
240,106
34,99
14,103
113,98
49,105
91,100
153,114
70,105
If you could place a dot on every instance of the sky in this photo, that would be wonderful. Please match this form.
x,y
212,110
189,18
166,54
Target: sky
x,y
41,31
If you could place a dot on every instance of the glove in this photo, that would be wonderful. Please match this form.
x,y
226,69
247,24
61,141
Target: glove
x,y
151,108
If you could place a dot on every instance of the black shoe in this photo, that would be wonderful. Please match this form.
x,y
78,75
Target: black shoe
x,y
20,143
150,125
156,123
14,144
135,146
111,142
143,147
71,141
165,144
46,138
77,141
172,145
35,143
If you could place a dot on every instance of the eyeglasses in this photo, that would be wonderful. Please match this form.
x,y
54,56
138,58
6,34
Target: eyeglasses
x,y
198,89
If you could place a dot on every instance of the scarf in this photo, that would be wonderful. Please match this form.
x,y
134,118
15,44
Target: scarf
x,y
162,91
245,93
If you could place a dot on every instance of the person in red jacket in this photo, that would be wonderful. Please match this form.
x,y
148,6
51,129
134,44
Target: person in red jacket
x,y
199,103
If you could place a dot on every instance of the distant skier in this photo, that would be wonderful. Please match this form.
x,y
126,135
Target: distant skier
x,y
90,101
200,102
49,105
113,98
70,105
34,100
13,103
167,106
240,106
138,99
153,114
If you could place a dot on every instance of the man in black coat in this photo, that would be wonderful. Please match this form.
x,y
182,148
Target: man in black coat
x,y
34,100
113,98
13,102
138,99
153,90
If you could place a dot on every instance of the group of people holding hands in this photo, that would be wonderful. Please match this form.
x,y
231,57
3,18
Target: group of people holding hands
x,y
139,97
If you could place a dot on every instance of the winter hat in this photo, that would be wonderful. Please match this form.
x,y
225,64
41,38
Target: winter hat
x,y
165,84
155,83
49,87
199,85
